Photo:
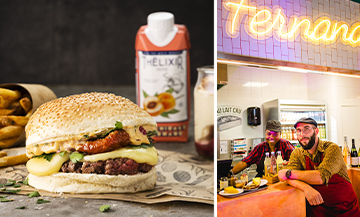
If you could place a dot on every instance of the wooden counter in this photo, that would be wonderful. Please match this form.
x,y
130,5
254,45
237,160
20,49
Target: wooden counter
x,y
354,175
278,199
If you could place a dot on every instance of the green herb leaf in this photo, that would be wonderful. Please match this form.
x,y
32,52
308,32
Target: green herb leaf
x,y
48,157
9,184
151,133
156,94
34,194
143,145
171,90
62,153
16,186
11,180
20,207
104,208
3,196
118,125
85,136
24,182
76,157
5,200
11,191
39,201
145,94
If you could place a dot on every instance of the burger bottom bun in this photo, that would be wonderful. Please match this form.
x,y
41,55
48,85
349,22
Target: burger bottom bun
x,y
94,183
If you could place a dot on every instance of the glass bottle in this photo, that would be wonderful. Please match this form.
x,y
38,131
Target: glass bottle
x,y
204,112
354,155
267,164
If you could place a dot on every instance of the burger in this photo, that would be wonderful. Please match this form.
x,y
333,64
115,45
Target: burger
x,y
91,143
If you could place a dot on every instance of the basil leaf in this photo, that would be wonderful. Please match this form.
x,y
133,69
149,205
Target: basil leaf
x,y
20,207
11,191
24,182
62,153
5,200
48,157
16,186
118,125
34,194
104,208
40,201
151,133
76,157
9,184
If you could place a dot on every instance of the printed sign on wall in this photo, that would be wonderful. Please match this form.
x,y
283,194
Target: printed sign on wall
x,y
228,116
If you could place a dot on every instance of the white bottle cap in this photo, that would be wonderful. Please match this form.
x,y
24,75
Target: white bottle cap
x,y
161,21
161,29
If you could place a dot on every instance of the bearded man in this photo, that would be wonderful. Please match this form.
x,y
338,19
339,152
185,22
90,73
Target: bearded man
x,y
318,169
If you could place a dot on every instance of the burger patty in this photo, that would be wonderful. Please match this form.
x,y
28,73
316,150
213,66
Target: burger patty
x,y
117,166
115,140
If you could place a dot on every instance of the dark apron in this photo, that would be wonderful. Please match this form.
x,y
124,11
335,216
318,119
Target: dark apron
x,y
260,167
339,196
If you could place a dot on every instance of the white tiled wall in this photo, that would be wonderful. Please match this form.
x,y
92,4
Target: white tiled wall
x,y
336,91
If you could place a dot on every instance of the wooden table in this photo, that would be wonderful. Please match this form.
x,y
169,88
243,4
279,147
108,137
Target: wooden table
x,y
278,200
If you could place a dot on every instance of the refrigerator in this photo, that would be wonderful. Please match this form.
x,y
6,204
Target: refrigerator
x,y
289,111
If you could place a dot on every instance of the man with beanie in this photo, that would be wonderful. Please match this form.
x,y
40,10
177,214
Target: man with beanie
x,y
273,143
318,169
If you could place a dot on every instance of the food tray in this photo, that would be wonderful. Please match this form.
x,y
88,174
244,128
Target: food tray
x,y
271,180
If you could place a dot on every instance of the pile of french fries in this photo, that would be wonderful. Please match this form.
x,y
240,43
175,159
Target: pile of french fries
x,y
15,110
6,160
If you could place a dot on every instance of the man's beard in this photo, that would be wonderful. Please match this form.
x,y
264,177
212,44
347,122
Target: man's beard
x,y
310,144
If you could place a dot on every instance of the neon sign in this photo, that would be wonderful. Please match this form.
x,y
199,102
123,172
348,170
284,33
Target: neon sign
x,y
264,22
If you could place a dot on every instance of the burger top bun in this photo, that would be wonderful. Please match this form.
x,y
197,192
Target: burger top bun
x,y
75,115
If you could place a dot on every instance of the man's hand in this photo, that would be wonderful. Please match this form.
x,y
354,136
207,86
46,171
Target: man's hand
x,y
282,175
313,196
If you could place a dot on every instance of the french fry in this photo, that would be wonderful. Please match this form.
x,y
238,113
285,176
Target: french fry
x,y
6,111
7,143
3,153
18,110
9,132
13,160
13,120
3,103
29,113
10,95
25,104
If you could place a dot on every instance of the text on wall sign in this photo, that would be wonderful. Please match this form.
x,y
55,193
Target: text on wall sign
x,y
262,23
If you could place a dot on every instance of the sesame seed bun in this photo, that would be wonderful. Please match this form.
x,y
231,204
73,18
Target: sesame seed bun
x,y
87,113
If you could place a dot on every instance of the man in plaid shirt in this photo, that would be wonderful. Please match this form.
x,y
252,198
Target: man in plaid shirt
x,y
318,169
273,143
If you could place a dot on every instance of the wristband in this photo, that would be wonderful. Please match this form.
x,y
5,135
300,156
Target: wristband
x,y
288,174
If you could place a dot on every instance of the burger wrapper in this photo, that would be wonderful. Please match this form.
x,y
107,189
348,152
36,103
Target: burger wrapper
x,y
180,177
39,94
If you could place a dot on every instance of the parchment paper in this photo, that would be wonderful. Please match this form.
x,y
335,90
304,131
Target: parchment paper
x,y
180,177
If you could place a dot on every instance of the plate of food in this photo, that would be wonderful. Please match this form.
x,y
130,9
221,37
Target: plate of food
x,y
231,192
255,184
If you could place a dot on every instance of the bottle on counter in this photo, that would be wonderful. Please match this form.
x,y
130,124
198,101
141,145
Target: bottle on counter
x,y
354,155
163,75
204,112
346,153
279,161
267,164
224,183
273,163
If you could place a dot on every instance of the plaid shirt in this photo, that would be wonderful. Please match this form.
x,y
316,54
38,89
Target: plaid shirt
x,y
333,162
258,152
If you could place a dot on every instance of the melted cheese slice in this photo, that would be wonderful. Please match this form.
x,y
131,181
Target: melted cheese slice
x,y
42,167
140,155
